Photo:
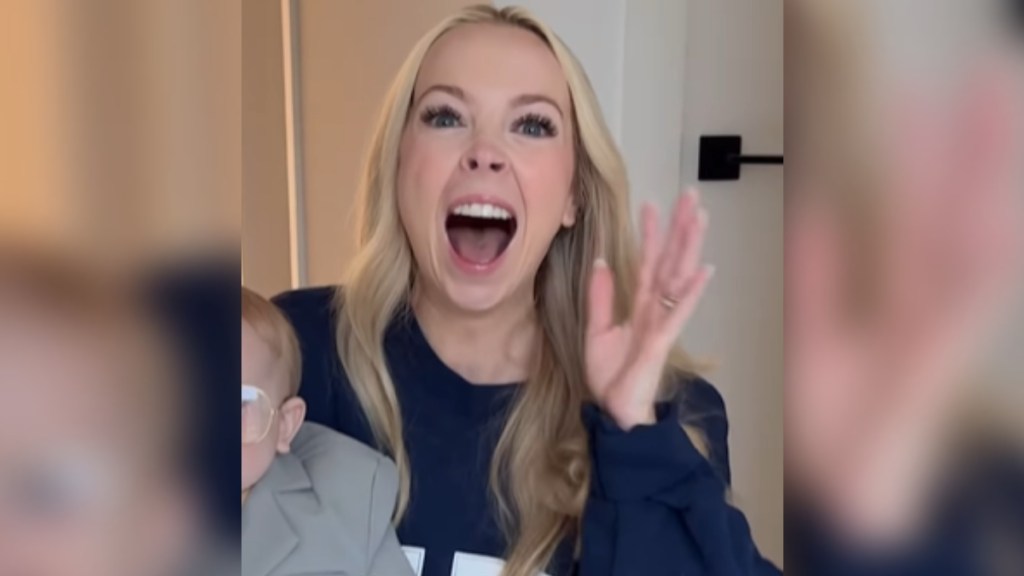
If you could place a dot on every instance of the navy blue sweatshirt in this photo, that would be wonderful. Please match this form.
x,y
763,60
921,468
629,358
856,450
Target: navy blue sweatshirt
x,y
976,524
656,506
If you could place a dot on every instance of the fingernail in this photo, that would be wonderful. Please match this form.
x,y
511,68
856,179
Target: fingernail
x,y
711,271
600,263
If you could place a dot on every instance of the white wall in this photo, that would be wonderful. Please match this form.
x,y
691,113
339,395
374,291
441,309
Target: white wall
x,y
653,97
665,72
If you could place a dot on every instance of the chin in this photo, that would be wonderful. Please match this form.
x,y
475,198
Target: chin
x,y
472,298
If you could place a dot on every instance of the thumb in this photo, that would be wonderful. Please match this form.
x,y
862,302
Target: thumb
x,y
601,305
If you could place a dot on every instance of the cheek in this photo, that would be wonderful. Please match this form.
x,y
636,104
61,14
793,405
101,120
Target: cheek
x,y
545,177
424,168
256,459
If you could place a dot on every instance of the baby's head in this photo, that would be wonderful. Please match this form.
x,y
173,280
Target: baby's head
x,y
91,425
271,368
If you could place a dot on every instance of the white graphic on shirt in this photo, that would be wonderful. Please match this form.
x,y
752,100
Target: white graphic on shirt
x,y
463,564
466,564
415,556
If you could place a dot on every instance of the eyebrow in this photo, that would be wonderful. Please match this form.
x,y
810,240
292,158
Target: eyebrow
x,y
453,90
524,99
521,100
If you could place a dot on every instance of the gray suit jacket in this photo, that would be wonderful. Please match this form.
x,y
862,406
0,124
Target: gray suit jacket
x,y
325,509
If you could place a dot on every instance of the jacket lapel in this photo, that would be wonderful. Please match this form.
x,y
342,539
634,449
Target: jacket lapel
x,y
267,535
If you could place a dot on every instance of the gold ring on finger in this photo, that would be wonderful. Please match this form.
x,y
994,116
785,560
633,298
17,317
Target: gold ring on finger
x,y
668,302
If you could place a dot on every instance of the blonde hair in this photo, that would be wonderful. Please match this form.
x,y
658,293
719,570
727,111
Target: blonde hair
x,y
540,472
273,328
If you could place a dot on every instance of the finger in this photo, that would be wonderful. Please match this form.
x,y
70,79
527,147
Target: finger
x,y
985,204
682,217
686,266
989,132
681,312
650,248
601,304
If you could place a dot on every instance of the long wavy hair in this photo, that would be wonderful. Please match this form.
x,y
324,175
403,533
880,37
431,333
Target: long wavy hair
x,y
540,471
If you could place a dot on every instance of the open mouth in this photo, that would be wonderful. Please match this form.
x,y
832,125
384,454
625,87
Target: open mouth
x,y
480,232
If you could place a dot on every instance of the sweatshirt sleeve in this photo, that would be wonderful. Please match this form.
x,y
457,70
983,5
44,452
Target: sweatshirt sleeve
x,y
657,506
949,547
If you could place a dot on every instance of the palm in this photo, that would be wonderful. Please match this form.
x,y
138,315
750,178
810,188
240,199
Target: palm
x,y
625,361
865,399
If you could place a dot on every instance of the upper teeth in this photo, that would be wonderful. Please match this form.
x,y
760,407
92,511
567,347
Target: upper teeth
x,y
482,211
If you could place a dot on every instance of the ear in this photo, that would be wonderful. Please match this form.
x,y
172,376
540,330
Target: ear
x,y
292,414
569,215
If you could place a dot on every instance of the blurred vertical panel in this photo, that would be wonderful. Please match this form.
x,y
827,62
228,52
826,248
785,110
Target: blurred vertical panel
x,y
265,235
34,163
122,126
905,252
120,144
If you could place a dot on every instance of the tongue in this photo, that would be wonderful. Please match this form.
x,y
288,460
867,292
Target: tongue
x,y
478,245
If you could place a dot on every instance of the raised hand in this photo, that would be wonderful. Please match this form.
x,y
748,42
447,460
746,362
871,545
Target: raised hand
x,y
625,361
869,393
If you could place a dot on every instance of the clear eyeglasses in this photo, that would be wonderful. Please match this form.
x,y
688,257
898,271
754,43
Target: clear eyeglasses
x,y
257,414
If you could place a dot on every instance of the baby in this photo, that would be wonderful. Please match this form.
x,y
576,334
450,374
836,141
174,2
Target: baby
x,y
323,509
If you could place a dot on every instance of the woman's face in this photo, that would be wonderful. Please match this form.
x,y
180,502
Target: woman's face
x,y
486,164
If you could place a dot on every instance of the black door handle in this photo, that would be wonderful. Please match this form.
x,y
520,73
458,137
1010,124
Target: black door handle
x,y
756,159
722,156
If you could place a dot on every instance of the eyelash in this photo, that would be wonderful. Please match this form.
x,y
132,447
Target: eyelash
x,y
547,127
433,114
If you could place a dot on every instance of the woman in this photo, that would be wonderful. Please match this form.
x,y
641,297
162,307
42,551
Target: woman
x,y
499,339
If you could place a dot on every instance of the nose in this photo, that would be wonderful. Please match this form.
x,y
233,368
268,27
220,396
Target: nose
x,y
484,156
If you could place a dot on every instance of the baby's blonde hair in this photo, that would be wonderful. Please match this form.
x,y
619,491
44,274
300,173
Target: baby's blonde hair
x,y
273,328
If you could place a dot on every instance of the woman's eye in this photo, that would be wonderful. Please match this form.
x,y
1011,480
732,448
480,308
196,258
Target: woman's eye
x,y
441,117
535,126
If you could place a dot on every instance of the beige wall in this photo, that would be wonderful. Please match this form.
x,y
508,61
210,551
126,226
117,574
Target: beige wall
x,y
33,165
265,241
120,127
